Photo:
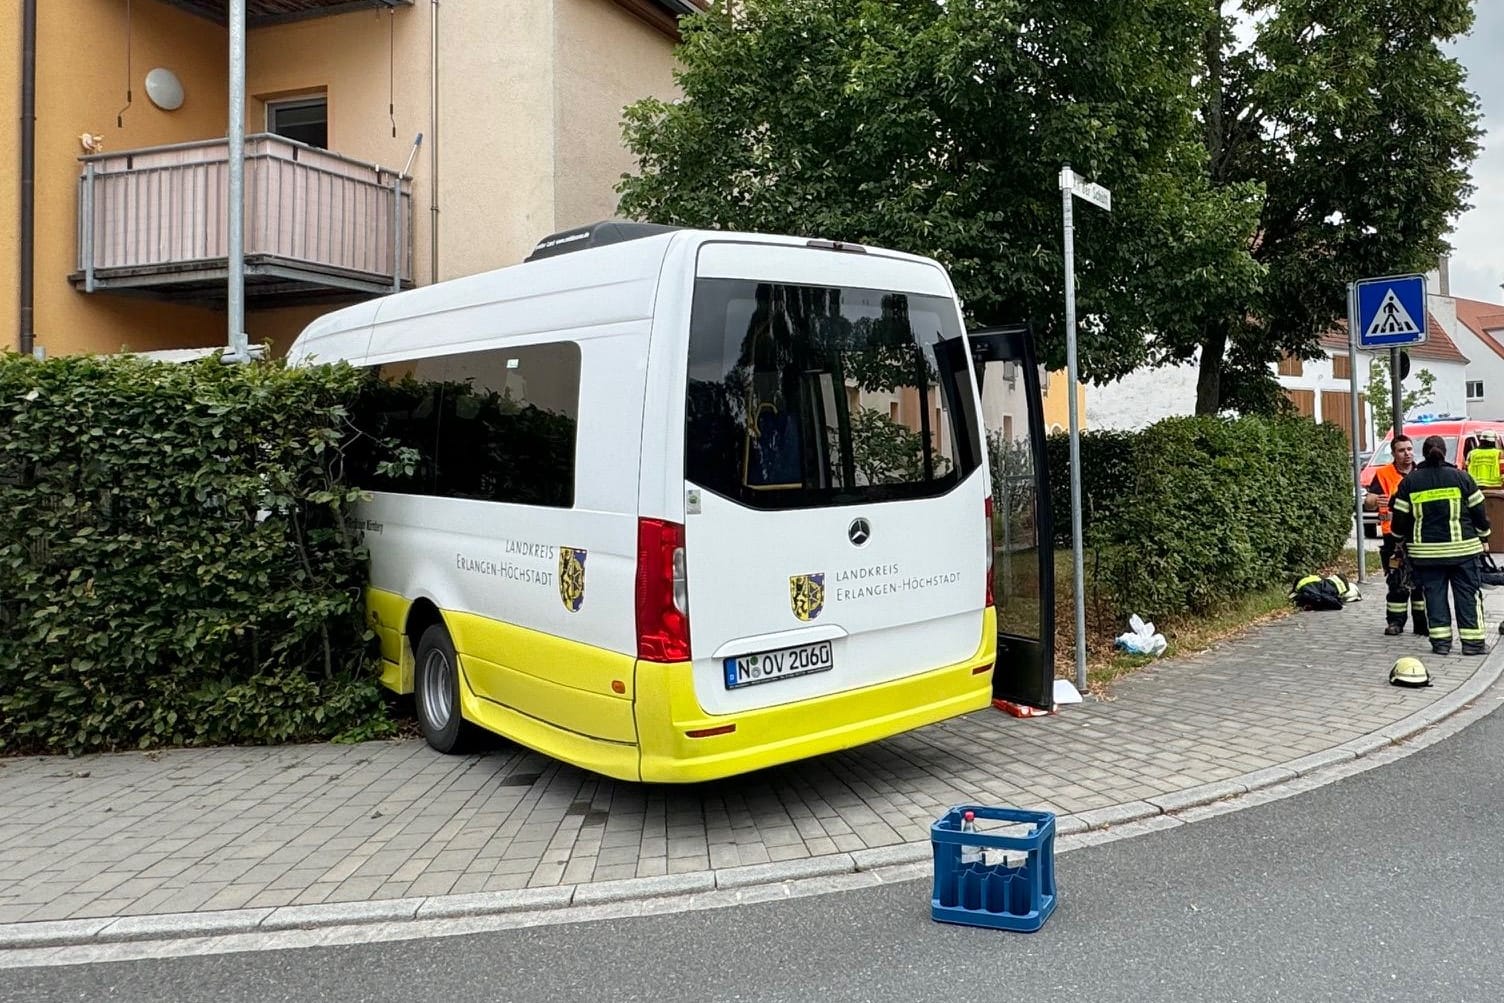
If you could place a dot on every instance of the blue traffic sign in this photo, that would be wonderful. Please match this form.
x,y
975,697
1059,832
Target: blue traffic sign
x,y
1391,311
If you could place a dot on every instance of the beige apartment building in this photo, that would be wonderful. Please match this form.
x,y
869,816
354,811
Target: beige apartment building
x,y
518,103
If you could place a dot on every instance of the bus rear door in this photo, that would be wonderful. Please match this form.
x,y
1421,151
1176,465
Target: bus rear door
x,y
1008,379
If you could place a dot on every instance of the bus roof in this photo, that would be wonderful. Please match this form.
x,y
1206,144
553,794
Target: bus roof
x,y
542,294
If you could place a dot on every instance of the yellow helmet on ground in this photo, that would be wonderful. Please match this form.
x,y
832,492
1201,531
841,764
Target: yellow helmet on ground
x,y
1409,671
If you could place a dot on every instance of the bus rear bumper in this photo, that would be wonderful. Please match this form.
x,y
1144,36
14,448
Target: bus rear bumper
x,y
667,711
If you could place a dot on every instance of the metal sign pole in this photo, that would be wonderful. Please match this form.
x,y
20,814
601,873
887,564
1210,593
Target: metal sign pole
x,y
235,203
1397,414
1078,568
1352,380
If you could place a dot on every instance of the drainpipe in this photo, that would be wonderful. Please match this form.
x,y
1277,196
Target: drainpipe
x,y
26,340
433,145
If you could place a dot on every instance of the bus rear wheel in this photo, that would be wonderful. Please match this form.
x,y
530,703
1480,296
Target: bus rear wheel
x,y
436,691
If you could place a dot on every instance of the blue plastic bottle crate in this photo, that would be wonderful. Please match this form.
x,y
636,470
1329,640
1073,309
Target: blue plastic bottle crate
x,y
994,895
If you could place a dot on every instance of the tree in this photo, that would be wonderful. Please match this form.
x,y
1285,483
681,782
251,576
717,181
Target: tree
x,y
940,128
1250,182
887,452
1359,132
1381,396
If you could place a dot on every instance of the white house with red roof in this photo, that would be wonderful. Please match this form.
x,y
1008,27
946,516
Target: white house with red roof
x,y
1320,388
1477,328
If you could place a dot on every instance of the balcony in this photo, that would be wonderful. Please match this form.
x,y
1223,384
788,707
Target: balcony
x,y
318,226
260,13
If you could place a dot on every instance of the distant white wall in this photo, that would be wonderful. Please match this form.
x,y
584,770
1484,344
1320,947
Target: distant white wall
x,y
1147,395
1451,385
1143,397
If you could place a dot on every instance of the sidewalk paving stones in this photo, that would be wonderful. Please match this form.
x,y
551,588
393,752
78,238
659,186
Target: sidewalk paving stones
x,y
319,834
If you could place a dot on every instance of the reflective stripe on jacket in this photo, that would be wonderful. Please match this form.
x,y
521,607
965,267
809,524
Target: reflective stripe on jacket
x,y
1483,467
1438,510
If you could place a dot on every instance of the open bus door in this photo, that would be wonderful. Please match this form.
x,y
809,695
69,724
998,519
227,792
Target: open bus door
x,y
1008,379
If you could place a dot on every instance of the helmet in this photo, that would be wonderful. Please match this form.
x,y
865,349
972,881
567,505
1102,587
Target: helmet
x,y
1345,588
1486,438
1409,671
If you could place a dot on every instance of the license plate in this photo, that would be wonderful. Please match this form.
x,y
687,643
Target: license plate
x,y
782,663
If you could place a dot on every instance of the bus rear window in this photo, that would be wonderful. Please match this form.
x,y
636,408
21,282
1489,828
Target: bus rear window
x,y
805,396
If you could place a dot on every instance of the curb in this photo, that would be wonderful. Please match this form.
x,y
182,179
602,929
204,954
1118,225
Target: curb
x,y
1158,811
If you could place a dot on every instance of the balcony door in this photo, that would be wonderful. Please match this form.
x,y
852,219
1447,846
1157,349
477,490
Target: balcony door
x,y
303,120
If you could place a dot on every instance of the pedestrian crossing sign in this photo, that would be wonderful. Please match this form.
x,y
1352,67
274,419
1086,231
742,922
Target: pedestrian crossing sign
x,y
1391,311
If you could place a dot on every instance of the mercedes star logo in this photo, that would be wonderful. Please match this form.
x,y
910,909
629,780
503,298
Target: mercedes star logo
x,y
859,532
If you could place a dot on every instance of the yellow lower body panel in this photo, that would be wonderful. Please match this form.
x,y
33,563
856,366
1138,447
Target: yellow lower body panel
x,y
556,696
613,759
667,709
563,682
548,693
386,614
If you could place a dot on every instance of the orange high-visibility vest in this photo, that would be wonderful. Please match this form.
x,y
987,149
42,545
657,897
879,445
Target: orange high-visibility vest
x,y
1389,482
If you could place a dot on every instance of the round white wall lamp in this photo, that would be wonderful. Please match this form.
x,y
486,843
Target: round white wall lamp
x,y
164,89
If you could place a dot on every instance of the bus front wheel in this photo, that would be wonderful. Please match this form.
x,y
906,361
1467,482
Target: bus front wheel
x,y
436,689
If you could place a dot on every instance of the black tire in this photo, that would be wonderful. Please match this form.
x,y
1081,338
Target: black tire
x,y
436,693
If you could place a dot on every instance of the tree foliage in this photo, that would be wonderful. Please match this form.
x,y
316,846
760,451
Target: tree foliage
x,y
1250,181
941,129
1381,396
1360,131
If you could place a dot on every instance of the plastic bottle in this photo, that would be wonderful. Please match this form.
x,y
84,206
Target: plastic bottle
x,y
970,854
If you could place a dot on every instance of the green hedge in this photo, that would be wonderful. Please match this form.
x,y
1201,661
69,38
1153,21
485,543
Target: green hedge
x,y
173,563
1193,512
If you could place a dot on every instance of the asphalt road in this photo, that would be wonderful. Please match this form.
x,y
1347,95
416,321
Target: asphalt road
x,y
1385,886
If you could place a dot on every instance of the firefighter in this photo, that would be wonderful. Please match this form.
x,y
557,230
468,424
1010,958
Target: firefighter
x,y
1438,513
1401,590
1483,461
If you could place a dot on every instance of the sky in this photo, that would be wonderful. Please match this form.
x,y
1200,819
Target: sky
x,y
1477,262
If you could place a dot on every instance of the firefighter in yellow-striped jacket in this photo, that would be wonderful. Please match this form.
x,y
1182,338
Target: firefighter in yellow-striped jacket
x,y
1438,512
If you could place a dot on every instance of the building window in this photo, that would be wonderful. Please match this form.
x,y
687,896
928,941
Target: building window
x,y
303,120
1475,390
1341,368
1290,366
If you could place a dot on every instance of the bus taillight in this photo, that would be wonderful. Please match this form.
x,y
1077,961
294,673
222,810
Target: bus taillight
x,y
662,592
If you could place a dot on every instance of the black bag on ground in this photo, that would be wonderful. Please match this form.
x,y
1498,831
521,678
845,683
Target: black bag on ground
x,y
1489,572
1314,592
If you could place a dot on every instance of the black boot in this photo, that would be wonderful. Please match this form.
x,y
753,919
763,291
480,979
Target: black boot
x,y
1396,629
